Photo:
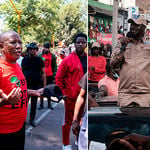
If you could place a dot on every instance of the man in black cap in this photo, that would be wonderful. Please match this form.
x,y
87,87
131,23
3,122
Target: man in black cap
x,y
33,69
50,69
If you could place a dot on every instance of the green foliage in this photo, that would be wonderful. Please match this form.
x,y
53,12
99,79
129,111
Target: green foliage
x,y
71,20
42,18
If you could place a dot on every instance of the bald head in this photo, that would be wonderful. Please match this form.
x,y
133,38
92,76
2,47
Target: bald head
x,y
11,46
4,35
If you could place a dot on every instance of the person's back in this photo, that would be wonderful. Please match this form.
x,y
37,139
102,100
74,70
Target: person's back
x,y
109,84
112,85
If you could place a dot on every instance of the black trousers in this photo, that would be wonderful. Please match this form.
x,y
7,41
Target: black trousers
x,y
33,107
33,101
13,141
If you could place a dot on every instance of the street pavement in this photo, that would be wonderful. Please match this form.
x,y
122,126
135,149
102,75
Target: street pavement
x,y
47,134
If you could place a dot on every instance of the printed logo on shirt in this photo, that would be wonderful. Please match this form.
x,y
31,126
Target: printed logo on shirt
x,y
47,63
43,58
15,80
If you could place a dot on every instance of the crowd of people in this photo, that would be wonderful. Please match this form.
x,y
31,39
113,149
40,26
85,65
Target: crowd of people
x,y
127,71
104,50
123,73
100,27
27,79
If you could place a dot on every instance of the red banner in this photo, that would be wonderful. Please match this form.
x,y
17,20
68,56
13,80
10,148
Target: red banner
x,y
106,38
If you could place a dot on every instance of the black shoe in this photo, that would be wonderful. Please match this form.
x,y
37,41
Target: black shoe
x,y
50,107
40,108
32,123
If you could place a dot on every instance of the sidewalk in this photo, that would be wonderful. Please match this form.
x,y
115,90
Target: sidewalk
x,y
47,134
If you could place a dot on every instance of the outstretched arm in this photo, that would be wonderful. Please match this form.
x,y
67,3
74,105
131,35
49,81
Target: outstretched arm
x,y
38,92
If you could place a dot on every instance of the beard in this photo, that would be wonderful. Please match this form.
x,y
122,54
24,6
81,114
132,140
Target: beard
x,y
79,52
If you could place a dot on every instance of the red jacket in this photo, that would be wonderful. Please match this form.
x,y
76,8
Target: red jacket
x,y
68,75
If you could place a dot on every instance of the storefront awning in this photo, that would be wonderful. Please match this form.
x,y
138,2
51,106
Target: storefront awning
x,y
97,7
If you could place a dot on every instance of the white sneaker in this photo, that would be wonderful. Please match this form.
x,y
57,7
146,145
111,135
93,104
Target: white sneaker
x,y
67,147
76,143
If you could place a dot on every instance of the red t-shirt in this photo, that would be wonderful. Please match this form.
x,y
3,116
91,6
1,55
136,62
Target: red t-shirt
x,y
47,58
12,117
99,63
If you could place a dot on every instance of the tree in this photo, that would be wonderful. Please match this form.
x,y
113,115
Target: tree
x,y
71,20
41,19
37,19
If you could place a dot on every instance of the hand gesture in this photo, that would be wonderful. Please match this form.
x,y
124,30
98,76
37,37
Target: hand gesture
x,y
39,92
2,95
75,127
124,40
14,96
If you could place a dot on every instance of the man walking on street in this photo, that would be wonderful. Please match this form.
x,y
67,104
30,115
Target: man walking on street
x,y
69,73
50,69
33,70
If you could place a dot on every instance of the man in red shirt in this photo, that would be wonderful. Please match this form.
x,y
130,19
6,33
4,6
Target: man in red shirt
x,y
13,109
96,65
69,73
50,69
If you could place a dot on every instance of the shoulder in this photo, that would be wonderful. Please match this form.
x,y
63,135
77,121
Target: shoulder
x,y
146,42
102,58
53,55
39,58
83,82
116,52
26,57
103,81
70,56
70,59
40,55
